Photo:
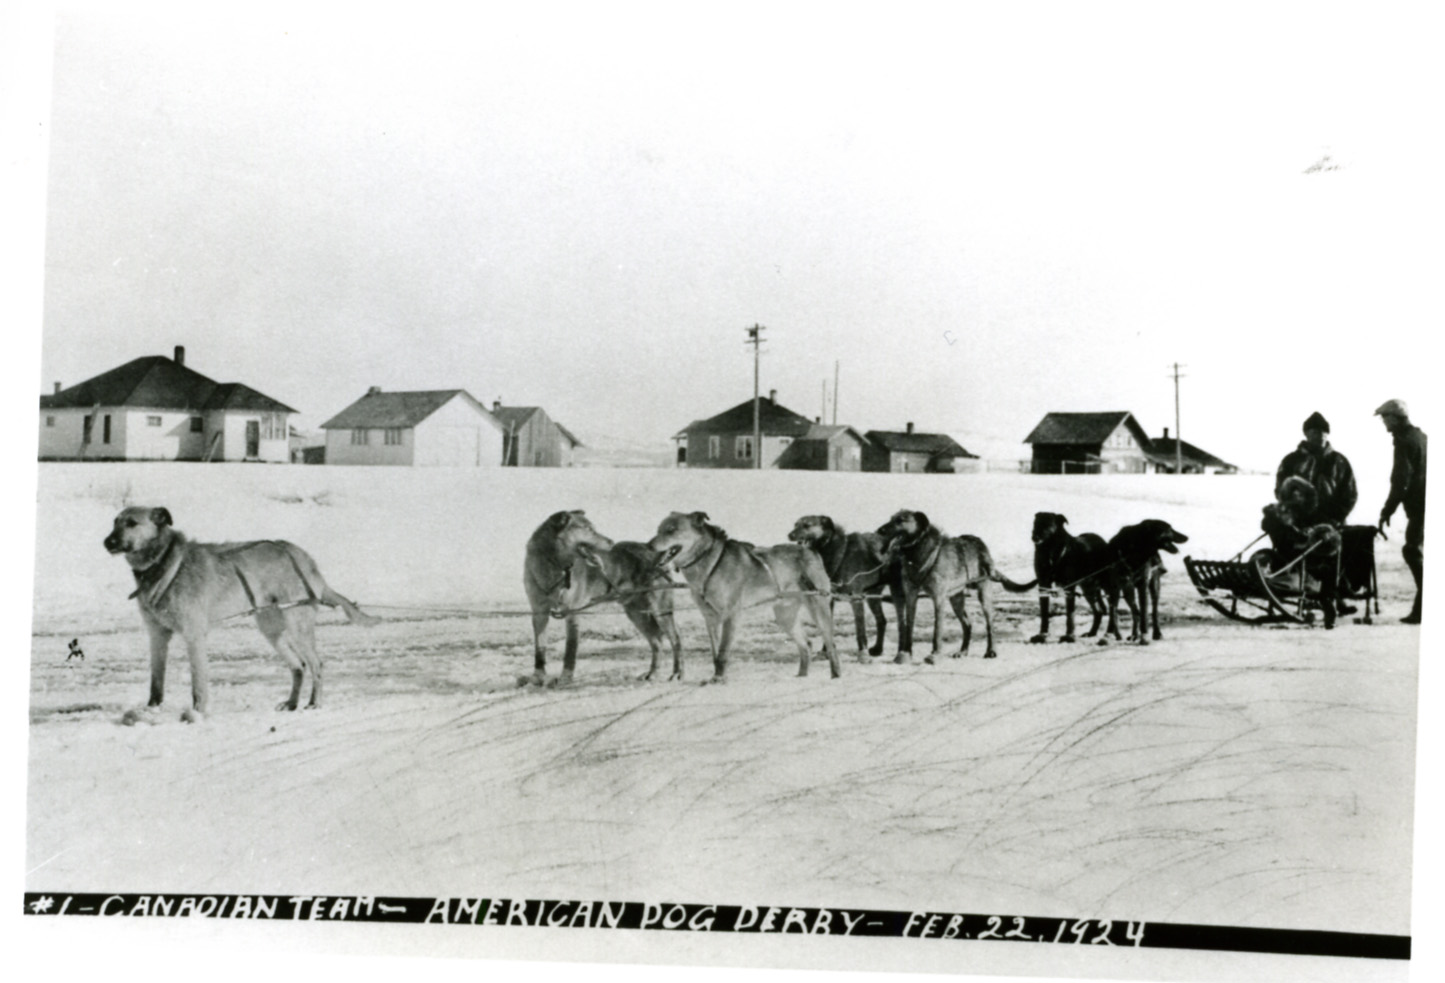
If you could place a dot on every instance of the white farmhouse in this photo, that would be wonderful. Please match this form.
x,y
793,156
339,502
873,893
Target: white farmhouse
x,y
156,408
446,428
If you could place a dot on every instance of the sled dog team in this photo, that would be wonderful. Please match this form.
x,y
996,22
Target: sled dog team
x,y
185,587
571,567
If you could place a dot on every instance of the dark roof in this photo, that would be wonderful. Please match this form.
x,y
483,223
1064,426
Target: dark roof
x,y
157,382
1163,449
1083,428
515,416
902,442
827,431
512,416
379,410
774,420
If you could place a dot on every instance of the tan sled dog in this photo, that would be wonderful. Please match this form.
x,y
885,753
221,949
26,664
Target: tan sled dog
x,y
186,588
944,568
727,576
857,566
570,566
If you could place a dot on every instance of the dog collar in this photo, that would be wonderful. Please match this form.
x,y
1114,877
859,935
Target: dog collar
x,y
170,564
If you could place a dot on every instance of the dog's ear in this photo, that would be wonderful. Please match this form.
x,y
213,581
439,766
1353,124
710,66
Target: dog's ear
x,y
921,519
558,520
827,523
700,516
161,516
1062,520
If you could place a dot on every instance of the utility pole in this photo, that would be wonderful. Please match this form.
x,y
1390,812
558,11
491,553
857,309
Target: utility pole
x,y
755,338
835,392
825,402
1178,437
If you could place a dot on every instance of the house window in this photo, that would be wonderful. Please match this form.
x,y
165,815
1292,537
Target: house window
x,y
358,437
87,430
105,433
153,421
743,450
273,426
50,421
393,436
198,425
714,447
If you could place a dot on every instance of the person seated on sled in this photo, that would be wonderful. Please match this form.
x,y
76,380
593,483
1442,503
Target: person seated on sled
x,y
1296,526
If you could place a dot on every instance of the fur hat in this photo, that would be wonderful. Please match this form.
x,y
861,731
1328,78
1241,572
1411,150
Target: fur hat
x,y
1394,407
1317,421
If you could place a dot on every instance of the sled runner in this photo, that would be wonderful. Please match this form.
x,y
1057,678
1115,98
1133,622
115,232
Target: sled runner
x,y
1262,590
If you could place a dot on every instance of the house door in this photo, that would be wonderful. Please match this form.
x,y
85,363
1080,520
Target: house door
x,y
253,438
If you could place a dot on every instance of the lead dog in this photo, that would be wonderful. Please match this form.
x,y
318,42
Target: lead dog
x,y
1074,563
944,568
185,588
570,566
857,565
727,576
1136,570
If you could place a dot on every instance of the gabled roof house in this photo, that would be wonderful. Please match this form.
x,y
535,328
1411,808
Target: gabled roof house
x,y
1194,459
158,408
726,440
532,439
1079,443
429,428
825,447
907,450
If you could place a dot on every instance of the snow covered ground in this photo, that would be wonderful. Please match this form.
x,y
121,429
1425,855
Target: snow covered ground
x,y
1227,775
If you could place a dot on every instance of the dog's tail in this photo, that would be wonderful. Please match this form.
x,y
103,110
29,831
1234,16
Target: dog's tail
x,y
354,614
1011,586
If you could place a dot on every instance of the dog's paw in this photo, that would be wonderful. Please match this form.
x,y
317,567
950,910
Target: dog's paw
x,y
532,679
140,715
990,654
191,715
1065,639
1102,641
1040,639
714,681
928,660
286,705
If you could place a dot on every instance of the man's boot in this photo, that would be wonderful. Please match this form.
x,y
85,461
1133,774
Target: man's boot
x,y
1415,560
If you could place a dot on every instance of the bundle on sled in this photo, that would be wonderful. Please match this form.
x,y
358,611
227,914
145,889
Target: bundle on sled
x,y
1311,569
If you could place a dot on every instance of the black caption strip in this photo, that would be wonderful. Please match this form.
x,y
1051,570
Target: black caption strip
x,y
724,918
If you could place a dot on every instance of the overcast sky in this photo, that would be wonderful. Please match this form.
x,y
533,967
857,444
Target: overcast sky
x,y
982,212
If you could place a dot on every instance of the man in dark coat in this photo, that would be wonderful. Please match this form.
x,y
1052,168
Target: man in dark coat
x,y
1323,467
1407,488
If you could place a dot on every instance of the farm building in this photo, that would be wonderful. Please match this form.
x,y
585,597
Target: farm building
x,y
433,428
726,440
532,439
1195,461
825,447
157,408
910,451
1090,443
